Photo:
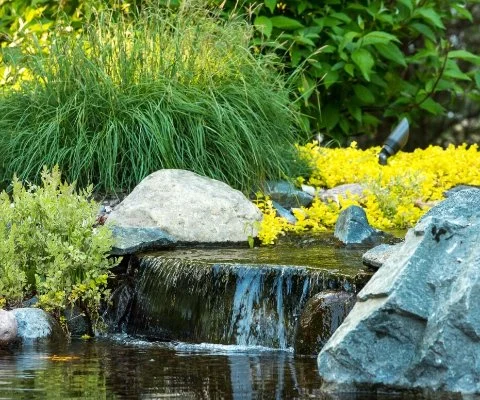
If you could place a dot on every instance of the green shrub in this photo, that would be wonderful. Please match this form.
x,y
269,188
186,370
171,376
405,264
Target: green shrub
x,y
364,61
127,96
49,247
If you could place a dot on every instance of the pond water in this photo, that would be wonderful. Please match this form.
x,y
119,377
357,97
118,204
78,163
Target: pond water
x,y
124,368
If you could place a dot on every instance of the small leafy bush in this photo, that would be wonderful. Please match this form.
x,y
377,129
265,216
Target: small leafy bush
x,y
128,95
50,247
364,61
395,195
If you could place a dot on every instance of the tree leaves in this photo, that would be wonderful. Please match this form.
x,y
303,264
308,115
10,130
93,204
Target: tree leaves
x,y
364,61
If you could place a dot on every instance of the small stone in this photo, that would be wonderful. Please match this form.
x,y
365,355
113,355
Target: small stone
x,y
344,191
309,190
378,255
284,213
352,227
287,195
130,240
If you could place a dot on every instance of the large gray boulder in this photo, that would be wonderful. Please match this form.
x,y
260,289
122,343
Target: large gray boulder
x,y
8,328
416,324
189,208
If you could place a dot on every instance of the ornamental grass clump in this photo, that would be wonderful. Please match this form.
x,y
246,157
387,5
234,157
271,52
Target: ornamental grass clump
x,y
50,248
395,196
126,96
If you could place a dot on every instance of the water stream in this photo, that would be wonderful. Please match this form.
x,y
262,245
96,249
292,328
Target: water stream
x,y
197,324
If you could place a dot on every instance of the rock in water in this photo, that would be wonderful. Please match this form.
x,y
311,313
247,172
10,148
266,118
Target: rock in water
x,y
8,328
189,208
36,324
321,316
416,324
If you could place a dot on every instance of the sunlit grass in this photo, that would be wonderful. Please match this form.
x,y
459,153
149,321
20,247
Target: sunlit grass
x,y
126,97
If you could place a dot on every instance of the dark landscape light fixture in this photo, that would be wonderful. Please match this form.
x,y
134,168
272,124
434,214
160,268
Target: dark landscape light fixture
x,y
395,142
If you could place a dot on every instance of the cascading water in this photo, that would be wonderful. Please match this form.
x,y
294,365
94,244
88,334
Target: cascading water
x,y
230,296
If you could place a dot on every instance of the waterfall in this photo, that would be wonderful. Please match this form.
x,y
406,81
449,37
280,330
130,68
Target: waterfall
x,y
193,298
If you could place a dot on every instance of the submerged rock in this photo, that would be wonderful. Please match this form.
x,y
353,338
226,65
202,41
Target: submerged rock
x,y
320,318
8,328
352,227
416,324
36,324
189,208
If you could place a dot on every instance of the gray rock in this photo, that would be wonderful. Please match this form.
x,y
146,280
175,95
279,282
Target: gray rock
x,y
284,213
188,207
458,188
462,205
352,227
346,190
77,322
287,195
36,324
416,324
130,240
8,328
320,318
377,256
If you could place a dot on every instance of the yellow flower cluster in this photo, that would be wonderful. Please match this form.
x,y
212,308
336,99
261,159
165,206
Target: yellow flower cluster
x,y
394,196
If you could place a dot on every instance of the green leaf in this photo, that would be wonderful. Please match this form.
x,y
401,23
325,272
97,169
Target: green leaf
x,y
341,16
453,71
431,16
355,111
330,116
330,78
376,37
432,107
464,55
264,25
271,4
477,79
463,11
425,30
407,3
363,94
286,23
364,61
391,52
349,69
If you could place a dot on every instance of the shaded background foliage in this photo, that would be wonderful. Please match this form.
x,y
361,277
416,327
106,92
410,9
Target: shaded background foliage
x,y
360,65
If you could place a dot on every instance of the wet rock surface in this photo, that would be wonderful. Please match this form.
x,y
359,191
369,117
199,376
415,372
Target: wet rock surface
x,y
131,240
416,324
322,315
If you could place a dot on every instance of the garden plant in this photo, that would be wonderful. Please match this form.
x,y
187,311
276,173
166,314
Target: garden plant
x,y
130,94
50,248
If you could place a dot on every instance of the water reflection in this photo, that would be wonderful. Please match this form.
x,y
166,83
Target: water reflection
x,y
130,369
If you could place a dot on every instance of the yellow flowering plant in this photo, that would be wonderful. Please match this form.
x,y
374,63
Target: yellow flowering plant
x,y
395,196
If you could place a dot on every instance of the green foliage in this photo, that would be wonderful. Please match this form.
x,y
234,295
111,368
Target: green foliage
x,y
166,89
364,61
48,246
